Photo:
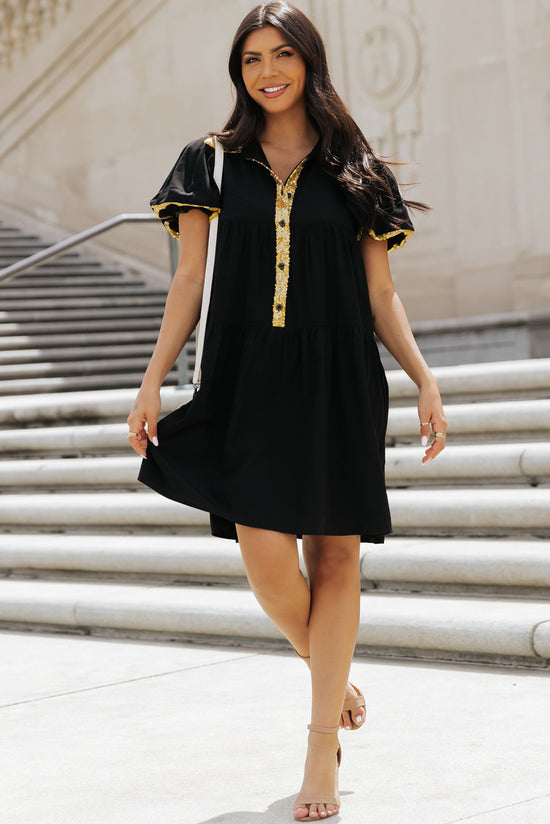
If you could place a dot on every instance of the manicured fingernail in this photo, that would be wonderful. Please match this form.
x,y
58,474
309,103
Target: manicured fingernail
x,y
155,441
348,727
424,440
358,718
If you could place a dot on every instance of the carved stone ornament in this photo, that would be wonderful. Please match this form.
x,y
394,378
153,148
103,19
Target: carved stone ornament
x,y
390,59
23,22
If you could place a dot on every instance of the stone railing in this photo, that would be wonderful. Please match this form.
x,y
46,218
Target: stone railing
x,y
23,23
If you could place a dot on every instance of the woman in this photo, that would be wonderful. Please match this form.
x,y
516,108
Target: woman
x,y
285,437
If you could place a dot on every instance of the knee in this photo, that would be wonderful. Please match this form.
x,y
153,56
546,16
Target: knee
x,y
337,562
272,583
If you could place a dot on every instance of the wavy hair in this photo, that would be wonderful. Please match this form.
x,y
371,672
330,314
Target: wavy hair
x,y
345,153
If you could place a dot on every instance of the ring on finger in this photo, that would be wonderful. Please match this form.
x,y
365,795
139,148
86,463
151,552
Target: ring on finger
x,y
440,435
427,423
131,435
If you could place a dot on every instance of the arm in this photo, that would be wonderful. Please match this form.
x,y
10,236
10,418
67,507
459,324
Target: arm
x,y
181,315
392,327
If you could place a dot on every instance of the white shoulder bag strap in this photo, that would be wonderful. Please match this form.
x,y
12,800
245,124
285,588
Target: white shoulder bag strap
x,y
210,258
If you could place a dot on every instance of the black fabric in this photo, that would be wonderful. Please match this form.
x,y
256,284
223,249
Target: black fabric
x,y
287,430
190,184
391,218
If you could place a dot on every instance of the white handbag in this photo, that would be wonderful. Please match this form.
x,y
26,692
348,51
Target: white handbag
x,y
209,271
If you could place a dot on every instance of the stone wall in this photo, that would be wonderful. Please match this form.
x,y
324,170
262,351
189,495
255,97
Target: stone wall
x,y
94,112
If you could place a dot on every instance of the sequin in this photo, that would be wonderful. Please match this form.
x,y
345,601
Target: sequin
x,y
283,208
405,232
161,206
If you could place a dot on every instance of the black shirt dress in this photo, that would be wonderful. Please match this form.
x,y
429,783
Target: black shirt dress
x,y
287,429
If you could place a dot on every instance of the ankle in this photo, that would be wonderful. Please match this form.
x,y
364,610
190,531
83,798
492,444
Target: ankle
x,y
323,738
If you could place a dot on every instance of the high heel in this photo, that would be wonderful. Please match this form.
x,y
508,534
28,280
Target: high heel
x,y
351,703
305,799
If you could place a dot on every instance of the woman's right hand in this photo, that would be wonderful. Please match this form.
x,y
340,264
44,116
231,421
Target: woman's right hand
x,y
142,420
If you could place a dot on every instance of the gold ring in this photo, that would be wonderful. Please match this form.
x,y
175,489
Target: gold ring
x,y
424,424
440,435
131,435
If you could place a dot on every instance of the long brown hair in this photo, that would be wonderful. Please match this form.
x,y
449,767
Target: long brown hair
x,y
345,153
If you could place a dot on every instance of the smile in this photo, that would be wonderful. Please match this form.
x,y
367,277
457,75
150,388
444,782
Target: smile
x,y
274,91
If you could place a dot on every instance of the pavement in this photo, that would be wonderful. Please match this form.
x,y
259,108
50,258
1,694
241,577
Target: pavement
x,y
114,731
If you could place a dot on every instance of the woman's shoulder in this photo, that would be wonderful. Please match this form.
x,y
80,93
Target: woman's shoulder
x,y
190,184
198,147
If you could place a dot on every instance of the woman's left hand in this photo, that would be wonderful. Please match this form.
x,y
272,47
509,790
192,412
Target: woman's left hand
x,y
432,420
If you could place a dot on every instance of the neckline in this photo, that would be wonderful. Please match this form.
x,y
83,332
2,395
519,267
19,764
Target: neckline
x,y
256,152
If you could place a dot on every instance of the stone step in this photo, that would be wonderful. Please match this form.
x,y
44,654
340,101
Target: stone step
x,y
135,301
20,249
81,405
7,231
66,440
42,275
72,383
103,366
79,439
463,629
48,331
145,297
524,418
67,259
480,512
42,361
437,565
58,282
500,464
91,316
39,346
465,465
526,378
502,420
46,292
518,568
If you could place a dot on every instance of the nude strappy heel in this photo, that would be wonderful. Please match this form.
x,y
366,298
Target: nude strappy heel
x,y
305,799
350,703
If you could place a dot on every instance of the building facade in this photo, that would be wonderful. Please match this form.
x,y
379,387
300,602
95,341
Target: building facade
x,y
96,101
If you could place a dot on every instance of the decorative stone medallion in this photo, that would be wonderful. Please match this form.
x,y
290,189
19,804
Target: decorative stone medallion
x,y
390,59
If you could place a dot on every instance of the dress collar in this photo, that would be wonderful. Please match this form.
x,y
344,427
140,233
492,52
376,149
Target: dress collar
x,y
254,151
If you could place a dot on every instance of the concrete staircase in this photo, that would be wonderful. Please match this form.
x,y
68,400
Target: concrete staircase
x,y
73,323
83,549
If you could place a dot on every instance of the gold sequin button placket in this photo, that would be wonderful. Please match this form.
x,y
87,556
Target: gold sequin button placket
x,y
283,208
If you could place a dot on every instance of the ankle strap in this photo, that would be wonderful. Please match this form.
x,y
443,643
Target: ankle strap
x,y
315,728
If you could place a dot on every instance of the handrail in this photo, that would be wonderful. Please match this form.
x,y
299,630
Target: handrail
x,y
58,248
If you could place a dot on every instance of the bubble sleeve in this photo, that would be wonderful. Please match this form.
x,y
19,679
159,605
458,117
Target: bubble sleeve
x,y
190,185
391,221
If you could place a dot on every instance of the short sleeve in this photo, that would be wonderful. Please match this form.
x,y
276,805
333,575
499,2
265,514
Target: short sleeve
x,y
189,185
391,220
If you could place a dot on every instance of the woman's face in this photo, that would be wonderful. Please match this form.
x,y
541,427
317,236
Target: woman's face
x,y
273,72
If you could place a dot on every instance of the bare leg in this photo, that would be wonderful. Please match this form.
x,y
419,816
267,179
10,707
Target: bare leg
x,y
333,569
272,566
322,624
325,549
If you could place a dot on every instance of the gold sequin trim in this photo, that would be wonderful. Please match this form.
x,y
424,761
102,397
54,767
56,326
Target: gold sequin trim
x,y
157,210
210,142
283,208
405,232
